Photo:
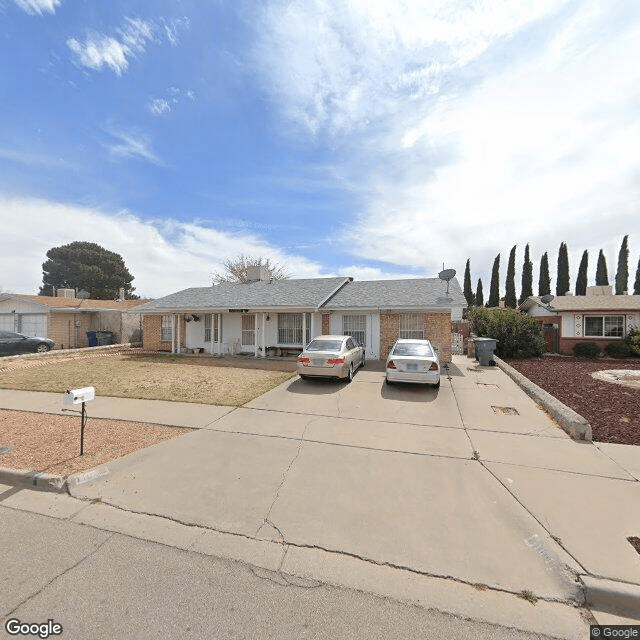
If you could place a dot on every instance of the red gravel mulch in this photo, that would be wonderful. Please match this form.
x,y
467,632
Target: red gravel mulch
x,y
612,410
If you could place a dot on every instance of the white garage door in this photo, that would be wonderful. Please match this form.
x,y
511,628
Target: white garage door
x,y
31,324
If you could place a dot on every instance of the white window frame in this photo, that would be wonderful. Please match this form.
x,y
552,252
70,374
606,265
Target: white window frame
x,y
411,326
290,329
355,325
166,328
603,334
211,327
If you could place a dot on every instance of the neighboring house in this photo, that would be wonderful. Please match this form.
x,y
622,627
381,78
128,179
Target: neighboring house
x,y
263,316
599,316
66,319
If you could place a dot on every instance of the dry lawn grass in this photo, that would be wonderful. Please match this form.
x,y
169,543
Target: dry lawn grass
x,y
51,443
159,377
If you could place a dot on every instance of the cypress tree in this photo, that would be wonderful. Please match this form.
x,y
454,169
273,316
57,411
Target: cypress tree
x,y
602,277
527,277
494,287
581,280
636,286
510,283
544,282
480,294
622,274
562,279
468,292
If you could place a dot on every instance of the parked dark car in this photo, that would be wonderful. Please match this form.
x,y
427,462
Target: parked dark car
x,y
13,343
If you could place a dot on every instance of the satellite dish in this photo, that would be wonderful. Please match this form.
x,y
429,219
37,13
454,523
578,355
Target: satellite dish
x,y
83,295
444,300
547,299
446,275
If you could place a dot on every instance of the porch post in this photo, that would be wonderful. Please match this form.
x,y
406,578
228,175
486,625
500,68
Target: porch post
x,y
178,335
173,334
304,329
255,335
264,326
212,334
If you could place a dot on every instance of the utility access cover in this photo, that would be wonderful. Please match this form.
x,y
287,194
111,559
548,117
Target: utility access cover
x,y
507,411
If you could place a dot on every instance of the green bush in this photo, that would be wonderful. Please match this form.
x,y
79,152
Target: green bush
x,y
633,341
586,350
518,334
618,350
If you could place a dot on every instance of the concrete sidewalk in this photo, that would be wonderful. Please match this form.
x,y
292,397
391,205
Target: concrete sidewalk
x,y
459,499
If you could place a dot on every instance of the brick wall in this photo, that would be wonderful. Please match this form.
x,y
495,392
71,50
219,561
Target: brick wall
x,y
389,331
566,344
326,318
151,332
63,331
437,329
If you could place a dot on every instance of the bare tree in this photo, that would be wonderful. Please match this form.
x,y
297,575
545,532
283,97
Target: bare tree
x,y
236,269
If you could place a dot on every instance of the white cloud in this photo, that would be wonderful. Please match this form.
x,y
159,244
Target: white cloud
x,y
38,6
163,256
468,127
130,145
100,51
159,106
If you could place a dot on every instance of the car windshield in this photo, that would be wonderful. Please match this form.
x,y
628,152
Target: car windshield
x,y
324,345
413,349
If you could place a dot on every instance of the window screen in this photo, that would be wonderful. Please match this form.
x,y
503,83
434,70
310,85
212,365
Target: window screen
x,y
166,330
411,326
355,326
248,330
290,328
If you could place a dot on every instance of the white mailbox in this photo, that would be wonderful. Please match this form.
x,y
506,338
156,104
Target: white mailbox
x,y
78,396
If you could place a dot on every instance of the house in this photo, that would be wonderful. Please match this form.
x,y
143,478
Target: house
x,y
265,316
66,319
598,316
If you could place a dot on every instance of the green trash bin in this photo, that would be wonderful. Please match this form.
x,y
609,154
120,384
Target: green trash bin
x,y
104,337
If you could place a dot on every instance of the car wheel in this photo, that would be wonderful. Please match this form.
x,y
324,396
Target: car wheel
x,y
363,360
437,385
42,348
303,376
350,374
389,382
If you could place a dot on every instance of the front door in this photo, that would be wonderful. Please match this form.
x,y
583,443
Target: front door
x,y
248,339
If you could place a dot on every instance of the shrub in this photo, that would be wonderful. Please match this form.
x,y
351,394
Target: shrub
x,y
633,341
618,350
518,334
586,350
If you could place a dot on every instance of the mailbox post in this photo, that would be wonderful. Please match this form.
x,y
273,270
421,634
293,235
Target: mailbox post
x,y
80,396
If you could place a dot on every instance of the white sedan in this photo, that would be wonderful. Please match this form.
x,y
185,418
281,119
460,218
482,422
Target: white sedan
x,y
413,361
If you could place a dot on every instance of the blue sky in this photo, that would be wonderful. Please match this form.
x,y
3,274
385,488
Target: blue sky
x,y
373,140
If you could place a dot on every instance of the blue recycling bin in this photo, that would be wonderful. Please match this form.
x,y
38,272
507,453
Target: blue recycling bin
x,y
92,338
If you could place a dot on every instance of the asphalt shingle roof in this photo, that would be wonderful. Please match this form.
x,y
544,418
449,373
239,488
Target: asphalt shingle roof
x,y
77,303
414,293
294,293
589,303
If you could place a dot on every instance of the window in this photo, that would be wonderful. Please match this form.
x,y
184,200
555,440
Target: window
x,y
211,327
166,328
413,349
290,328
604,326
356,327
411,326
248,330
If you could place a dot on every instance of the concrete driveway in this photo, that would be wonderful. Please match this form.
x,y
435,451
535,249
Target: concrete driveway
x,y
471,488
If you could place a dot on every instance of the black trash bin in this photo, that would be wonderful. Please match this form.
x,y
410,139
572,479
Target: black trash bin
x,y
104,337
92,338
484,350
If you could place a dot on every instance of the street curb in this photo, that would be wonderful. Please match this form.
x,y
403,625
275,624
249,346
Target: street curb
x,y
573,423
608,596
59,352
33,480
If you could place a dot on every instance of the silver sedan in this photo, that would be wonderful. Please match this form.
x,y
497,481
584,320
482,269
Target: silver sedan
x,y
331,356
413,361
